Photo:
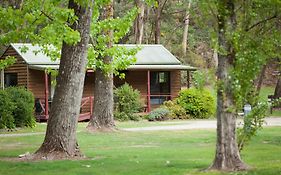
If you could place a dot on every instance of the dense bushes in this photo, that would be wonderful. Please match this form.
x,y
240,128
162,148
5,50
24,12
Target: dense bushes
x,y
159,114
16,108
175,110
199,103
127,102
191,103
6,111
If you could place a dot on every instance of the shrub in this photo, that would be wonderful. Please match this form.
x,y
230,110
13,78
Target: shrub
x,y
198,103
252,124
6,111
121,116
127,102
199,79
159,114
24,106
176,111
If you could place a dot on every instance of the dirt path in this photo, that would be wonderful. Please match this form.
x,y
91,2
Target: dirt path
x,y
22,134
200,124
184,125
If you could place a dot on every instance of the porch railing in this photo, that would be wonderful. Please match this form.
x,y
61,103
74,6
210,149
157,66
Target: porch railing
x,y
166,97
42,111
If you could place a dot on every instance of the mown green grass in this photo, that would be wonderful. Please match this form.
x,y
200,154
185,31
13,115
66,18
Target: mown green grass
x,y
41,127
265,91
144,153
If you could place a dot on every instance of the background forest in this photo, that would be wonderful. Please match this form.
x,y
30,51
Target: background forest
x,y
178,25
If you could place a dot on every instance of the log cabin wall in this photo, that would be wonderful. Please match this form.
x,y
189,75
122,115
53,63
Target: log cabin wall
x,y
137,79
89,84
36,83
175,83
88,90
20,67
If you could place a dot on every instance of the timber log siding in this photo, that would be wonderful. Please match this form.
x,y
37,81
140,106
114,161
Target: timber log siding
x,y
20,67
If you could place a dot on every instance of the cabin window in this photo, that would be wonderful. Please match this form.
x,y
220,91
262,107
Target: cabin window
x,y
159,86
11,79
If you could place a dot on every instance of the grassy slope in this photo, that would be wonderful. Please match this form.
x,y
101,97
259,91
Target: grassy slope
x,y
143,153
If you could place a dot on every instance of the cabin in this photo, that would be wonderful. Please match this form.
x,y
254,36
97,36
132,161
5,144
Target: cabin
x,y
156,74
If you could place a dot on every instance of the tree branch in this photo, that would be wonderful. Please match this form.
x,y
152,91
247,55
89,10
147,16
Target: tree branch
x,y
260,22
163,6
50,18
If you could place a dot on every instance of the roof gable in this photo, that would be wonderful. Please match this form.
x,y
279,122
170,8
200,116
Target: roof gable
x,y
30,57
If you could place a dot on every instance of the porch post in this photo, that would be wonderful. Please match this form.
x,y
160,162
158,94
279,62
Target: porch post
x,y
2,79
46,95
188,79
148,91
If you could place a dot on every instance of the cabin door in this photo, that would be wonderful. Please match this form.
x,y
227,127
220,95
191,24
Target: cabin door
x,y
159,86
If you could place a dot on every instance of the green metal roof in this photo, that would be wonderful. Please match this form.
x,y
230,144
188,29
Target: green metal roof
x,y
148,57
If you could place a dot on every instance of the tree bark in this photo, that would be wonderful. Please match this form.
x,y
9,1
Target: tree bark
x,y
277,92
260,78
60,139
139,23
227,156
185,31
102,119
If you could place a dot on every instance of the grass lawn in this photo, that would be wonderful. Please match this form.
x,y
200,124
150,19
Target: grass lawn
x,y
265,91
143,153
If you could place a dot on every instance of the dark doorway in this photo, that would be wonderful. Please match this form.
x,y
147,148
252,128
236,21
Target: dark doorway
x,y
159,86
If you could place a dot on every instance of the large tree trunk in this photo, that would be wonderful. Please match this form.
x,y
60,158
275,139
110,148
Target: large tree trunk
x,y
60,140
139,23
102,119
227,156
277,92
186,26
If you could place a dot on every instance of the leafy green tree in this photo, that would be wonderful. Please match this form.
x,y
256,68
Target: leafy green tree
x,y
60,140
245,36
48,23
107,59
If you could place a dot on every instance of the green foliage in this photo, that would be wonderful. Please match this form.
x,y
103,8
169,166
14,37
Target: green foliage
x,y
252,124
44,24
127,102
254,39
197,103
120,57
159,114
8,61
199,79
6,111
24,106
176,111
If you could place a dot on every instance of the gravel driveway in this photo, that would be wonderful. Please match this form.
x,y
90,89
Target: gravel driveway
x,y
184,125
199,124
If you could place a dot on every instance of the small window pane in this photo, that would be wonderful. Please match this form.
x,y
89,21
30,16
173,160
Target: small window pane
x,y
162,77
11,79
